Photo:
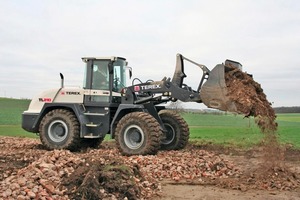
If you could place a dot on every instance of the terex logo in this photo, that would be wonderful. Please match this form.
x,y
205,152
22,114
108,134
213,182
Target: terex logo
x,y
73,93
137,88
150,87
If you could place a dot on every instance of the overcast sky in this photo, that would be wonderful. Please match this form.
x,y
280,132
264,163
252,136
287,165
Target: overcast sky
x,y
40,39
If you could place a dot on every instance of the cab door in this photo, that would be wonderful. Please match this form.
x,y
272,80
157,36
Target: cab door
x,y
97,82
96,99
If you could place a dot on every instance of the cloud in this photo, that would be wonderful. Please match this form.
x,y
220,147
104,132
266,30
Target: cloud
x,y
39,39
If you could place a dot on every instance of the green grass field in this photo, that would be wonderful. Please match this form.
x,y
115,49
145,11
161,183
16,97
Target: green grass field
x,y
10,117
289,128
223,129
226,129
234,130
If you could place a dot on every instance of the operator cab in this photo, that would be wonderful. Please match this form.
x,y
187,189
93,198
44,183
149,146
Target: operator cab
x,y
104,79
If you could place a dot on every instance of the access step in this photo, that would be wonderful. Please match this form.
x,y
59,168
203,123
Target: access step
x,y
94,114
91,136
93,125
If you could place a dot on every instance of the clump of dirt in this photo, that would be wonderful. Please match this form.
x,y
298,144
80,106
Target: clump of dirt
x,y
250,100
98,180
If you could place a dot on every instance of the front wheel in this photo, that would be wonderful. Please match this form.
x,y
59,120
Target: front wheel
x,y
138,133
59,129
177,131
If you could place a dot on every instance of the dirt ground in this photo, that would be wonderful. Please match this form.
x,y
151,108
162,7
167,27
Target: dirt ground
x,y
249,161
197,192
28,171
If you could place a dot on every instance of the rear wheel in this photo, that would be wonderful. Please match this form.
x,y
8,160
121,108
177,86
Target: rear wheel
x,y
59,129
138,133
177,134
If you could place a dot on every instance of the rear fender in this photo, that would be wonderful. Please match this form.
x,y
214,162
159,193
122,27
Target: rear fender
x,y
36,118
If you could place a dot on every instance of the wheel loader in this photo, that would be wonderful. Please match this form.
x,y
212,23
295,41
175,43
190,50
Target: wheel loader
x,y
136,116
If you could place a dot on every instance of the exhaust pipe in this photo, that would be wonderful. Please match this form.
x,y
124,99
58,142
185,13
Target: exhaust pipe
x,y
61,80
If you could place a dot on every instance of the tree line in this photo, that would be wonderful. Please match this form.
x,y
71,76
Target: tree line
x,y
294,109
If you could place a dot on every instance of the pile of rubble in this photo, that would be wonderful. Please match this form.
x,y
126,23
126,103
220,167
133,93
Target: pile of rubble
x,y
41,178
61,174
30,172
194,164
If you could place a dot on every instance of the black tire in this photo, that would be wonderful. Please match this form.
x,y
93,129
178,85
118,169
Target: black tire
x,y
138,133
59,129
177,134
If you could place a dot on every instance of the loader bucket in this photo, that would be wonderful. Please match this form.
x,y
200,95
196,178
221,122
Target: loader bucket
x,y
213,92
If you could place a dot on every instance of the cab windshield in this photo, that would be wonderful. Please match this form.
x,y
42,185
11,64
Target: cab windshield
x,y
119,75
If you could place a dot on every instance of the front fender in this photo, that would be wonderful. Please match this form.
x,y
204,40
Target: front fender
x,y
122,110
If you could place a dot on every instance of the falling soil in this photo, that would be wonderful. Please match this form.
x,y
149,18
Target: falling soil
x,y
250,100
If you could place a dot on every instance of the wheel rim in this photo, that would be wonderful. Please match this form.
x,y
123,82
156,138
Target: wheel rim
x,y
58,131
134,137
169,135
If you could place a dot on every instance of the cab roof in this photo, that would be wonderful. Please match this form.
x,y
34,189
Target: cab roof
x,y
112,58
